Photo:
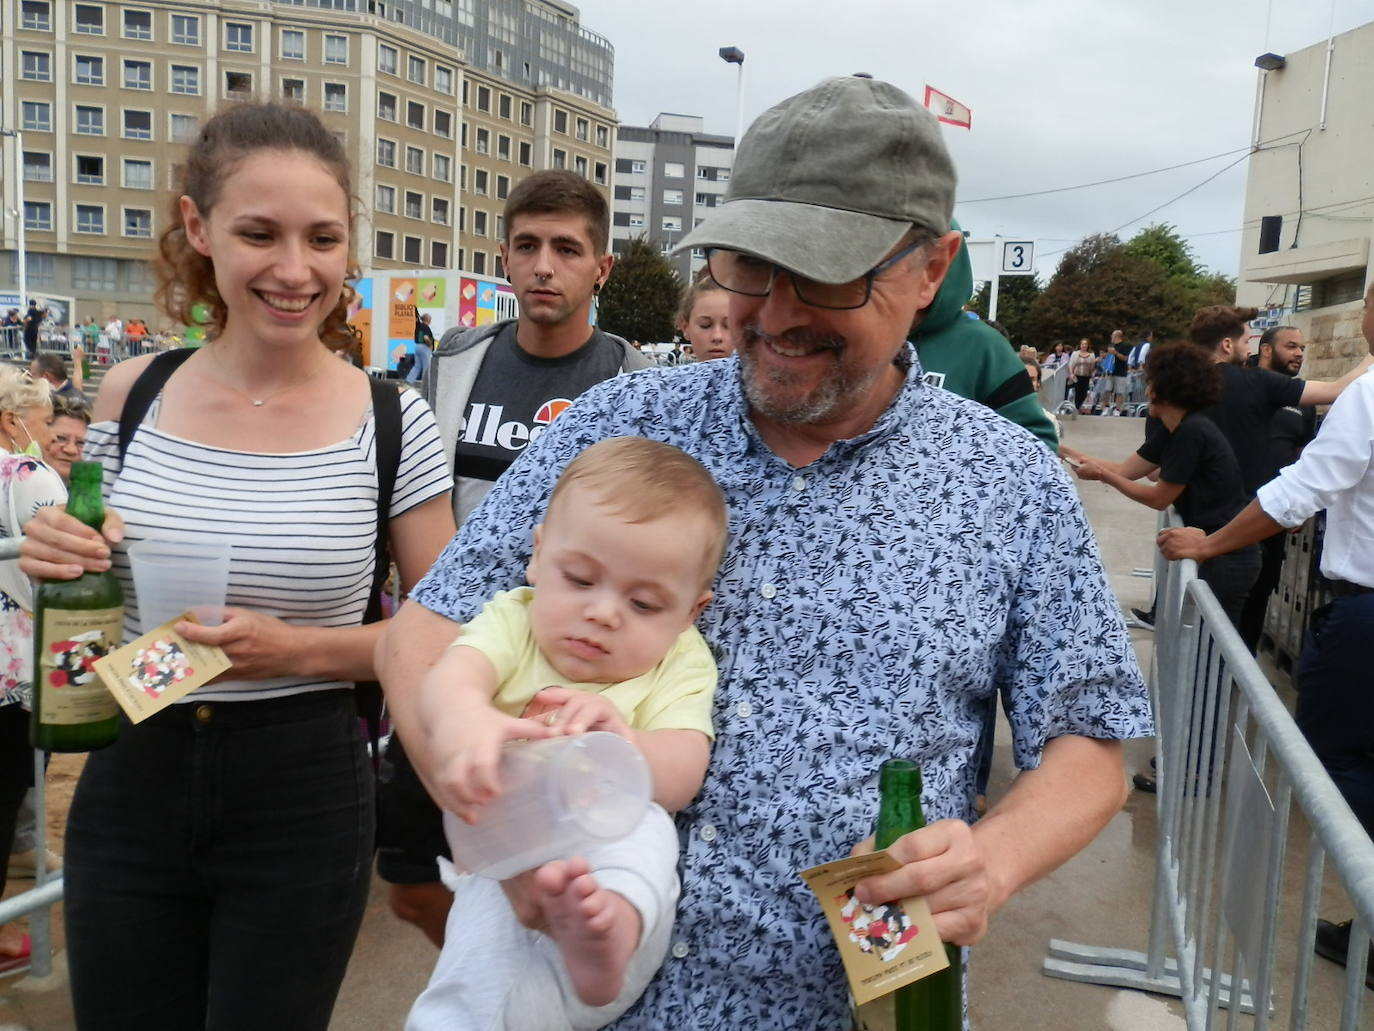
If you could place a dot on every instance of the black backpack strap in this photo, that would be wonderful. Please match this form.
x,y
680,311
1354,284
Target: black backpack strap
x,y
386,416
148,385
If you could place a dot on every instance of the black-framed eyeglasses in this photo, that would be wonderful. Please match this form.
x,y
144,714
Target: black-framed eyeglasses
x,y
746,274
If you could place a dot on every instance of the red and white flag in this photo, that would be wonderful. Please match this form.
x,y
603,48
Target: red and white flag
x,y
947,109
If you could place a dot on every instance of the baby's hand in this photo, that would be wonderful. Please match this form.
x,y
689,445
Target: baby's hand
x,y
471,774
576,712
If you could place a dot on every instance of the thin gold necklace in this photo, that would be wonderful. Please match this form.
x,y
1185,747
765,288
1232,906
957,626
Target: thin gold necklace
x,y
258,402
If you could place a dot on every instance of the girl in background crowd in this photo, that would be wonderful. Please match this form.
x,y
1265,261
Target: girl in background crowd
x,y
27,485
703,319
219,853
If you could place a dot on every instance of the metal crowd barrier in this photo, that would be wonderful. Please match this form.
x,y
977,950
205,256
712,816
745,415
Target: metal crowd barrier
x,y
1053,383
1233,768
37,902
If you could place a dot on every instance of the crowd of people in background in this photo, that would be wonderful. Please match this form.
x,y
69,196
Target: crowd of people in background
x,y
25,335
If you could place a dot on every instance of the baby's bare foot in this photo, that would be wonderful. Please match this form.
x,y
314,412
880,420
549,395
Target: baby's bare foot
x,y
596,930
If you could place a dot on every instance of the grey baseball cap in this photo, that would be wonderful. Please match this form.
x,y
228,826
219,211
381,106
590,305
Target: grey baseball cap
x,y
828,181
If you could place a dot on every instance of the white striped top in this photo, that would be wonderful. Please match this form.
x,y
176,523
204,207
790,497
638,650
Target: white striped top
x,y
302,525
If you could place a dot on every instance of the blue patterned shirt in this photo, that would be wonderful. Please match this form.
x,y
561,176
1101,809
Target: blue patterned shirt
x,y
871,604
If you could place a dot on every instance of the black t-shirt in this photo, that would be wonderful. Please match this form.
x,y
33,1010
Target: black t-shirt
x,y
33,318
1197,456
1291,430
517,395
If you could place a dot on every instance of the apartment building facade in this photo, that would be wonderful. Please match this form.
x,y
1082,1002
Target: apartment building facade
x,y
668,176
106,96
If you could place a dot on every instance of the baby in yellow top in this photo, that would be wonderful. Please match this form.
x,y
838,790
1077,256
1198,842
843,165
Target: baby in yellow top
x,y
622,566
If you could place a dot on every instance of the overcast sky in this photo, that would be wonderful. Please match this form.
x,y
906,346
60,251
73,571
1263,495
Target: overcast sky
x,y
1063,92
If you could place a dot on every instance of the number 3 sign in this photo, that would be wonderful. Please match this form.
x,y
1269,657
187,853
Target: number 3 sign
x,y
1018,257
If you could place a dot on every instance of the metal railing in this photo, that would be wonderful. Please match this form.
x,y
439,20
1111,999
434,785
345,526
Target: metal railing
x,y
1233,768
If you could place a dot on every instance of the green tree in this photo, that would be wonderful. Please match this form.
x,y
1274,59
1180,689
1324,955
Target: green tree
x,y
640,299
1162,245
1015,295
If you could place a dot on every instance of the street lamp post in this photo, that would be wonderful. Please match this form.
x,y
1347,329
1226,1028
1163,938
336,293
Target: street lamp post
x,y
734,55
21,268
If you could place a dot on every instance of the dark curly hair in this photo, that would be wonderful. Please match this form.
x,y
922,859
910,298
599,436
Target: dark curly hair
x,y
185,277
1183,375
1217,322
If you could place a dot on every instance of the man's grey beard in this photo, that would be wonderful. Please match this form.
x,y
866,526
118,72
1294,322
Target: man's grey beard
x,y
834,393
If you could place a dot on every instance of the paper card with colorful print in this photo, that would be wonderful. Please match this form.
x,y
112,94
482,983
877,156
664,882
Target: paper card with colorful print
x,y
159,668
883,947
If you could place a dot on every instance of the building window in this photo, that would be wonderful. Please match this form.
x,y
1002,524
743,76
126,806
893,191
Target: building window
x,y
293,90
412,246
526,153
483,141
138,75
415,69
637,193
90,71
438,210
183,128
602,136
479,223
673,170
89,19
90,218
463,135
386,106
36,66
38,215
186,29
386,153
503,106
335,96
672,196
292,45
580,166
386,199
465,92
90,121
238,37
443,124
599,173
386,59
415,115
37,167
637,167
138,222
479,181
672,225
238,84
560,122
443,168
90,169
438,254
479,262
636,221
336,50
95,273
37,17
503,147
384,245
415,204
36,116
443,80
138,125
526,113
415,160
484,99
186,80
138,175
498,271
584,129
560,158
462,221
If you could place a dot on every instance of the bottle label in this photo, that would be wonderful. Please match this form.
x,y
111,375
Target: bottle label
x,y
69,691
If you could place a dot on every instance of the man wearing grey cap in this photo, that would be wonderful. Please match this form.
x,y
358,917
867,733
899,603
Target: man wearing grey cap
x,y
899,557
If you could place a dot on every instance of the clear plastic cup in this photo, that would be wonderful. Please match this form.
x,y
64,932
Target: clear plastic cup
x,y
175,576
559,797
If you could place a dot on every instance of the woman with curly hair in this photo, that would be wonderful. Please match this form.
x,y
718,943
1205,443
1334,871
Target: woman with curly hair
x,y
230,837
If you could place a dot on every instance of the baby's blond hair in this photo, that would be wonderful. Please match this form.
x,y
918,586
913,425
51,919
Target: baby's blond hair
x,y
640,480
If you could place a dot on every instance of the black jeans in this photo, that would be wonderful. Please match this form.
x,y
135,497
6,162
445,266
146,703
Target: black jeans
x,y
16,775
1231,578
217,867
1336,698
1251,625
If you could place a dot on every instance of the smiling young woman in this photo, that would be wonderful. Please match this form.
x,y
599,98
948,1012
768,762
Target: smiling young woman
x,y
235,831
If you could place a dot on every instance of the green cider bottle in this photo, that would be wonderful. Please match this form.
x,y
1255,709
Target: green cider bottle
x,y
76,622
934,1003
